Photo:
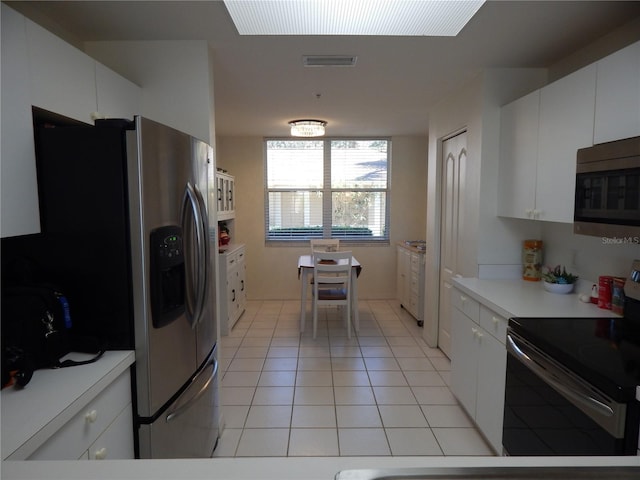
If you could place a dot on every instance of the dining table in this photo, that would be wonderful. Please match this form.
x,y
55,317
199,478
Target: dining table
x,y
305,267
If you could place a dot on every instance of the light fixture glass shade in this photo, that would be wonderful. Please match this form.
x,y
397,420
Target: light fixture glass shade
x,y
307,128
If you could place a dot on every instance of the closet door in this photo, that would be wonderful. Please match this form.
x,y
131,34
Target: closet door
x,y
454,158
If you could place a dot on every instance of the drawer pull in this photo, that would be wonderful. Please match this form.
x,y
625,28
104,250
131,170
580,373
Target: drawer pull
x,y
101,454
463,299
495,320
91,416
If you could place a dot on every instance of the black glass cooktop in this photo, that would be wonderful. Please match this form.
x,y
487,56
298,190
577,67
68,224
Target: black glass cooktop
x,y
603,351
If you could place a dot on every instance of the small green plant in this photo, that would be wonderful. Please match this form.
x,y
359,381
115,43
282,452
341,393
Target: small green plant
x,y
558,275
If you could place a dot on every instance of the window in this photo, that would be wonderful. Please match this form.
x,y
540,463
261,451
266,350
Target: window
x,y
330,188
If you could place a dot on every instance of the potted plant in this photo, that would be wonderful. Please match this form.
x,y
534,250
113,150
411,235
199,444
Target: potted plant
x,y
558,280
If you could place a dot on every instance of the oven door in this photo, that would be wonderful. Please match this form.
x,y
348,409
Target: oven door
x,y
550,411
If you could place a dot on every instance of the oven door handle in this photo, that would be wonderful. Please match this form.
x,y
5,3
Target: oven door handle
x,y
535,365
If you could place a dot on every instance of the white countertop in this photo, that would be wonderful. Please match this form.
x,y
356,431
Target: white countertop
x,y
519,298
290,468
32,414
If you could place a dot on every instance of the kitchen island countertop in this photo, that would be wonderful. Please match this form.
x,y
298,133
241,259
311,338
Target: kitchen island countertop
x,y
290,468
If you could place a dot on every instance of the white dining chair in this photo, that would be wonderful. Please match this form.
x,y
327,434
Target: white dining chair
x,y
332,271
323,245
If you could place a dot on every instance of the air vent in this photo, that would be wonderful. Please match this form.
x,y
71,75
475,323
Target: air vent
x,y
329,60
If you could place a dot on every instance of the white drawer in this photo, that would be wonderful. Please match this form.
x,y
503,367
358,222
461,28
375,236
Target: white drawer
x,y
466,305
232,260
75,437
493,323
240,256
116,442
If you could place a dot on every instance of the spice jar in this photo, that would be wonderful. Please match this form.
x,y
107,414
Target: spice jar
x,y
532,260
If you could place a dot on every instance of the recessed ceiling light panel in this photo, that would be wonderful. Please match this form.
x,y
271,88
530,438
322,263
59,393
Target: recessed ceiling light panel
x,y
352,17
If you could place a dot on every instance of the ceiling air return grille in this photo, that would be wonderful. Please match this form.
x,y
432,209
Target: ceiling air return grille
x,y
329,60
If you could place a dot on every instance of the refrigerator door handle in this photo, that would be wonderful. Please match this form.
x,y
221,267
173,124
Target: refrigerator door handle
x,y
184,407
203,266
194,289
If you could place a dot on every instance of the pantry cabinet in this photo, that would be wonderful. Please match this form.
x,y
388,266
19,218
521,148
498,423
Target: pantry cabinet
x,y
617,113
225,186
478,364
410,280
232,281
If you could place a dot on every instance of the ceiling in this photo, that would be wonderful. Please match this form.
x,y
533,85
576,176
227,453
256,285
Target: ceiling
x,y
260,83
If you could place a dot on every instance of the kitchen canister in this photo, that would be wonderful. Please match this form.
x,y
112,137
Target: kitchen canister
x,y
532,260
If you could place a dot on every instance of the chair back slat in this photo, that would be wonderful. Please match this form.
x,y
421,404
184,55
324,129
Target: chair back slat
x,y
324,245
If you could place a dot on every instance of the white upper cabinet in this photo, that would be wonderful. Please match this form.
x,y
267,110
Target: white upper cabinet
x,y
20,213
40,69
62,78
540,135
566,124
618,96
518,157
117,97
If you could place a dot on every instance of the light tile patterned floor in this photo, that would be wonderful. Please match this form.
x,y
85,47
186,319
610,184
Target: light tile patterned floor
x,y
382,392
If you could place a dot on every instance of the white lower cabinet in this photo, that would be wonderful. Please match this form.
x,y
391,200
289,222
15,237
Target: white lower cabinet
x,y
478,364
410,281
103,429
115,442
232,283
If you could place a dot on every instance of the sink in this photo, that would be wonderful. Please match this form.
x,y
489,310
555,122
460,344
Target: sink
x,y
492,473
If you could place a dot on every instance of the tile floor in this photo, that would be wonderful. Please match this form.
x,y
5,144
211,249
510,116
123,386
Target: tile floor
x,y
382,392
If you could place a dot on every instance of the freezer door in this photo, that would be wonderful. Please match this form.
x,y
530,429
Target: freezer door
x,y
189,427
203,168
159,170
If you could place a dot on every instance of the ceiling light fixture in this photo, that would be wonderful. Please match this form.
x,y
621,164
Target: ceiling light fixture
x,y
355,17
307,128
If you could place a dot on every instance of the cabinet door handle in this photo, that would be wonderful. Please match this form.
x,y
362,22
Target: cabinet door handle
x,y
242,283
91,416
529,212
495,320
463,299
234,295
100,454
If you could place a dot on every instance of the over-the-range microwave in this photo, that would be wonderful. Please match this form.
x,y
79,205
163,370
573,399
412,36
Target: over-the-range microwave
x,y
607,201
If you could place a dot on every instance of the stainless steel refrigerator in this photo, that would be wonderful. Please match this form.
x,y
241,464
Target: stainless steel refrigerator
x,y
127,231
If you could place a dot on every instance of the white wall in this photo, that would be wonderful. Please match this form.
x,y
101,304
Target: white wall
x,y
271,270
586,256
176,79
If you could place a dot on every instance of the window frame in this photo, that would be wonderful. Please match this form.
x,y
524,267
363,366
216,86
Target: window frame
x,y
327,192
